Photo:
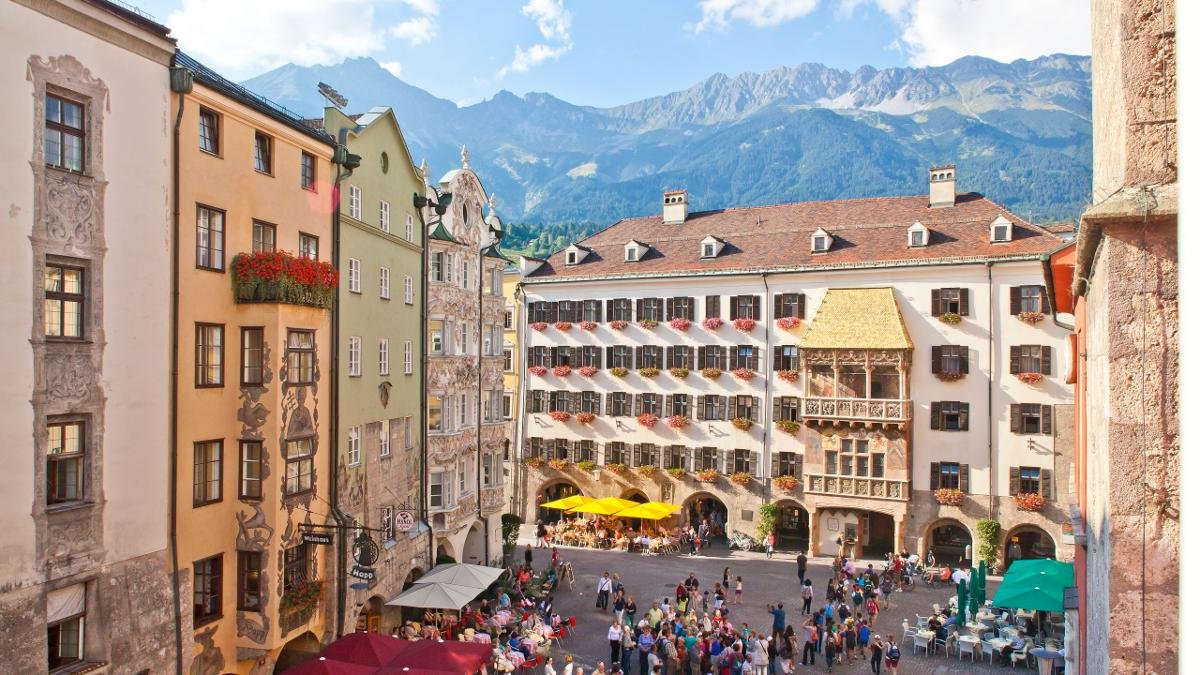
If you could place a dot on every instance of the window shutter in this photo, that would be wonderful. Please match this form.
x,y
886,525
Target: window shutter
x,y
774,464
529,356
753,463
608,355
732,307
800,312
729,457
1045,359
1014,359
1046,484
691,357
576,357
776,358
698,406
637,357
964,305
1014,300
935,302
727,406
935,415
935,476
712,306
529,402
936,359
724,357
776,409
696,458
757,308
754,360
732,349
778,305
689,304
1047,419
1045,299
754,411
964,411
964,478
963,359
640,309
660,303
608,403
577,402
1014,480
609,305
552,308
1014,417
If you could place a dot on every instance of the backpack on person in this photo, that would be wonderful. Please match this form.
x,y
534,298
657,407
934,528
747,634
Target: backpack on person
x,y
893,652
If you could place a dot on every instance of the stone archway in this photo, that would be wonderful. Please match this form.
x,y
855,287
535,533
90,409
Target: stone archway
x,y
473,547
948,539
297,650
555,488
791,526
861,533
701,506
635,495
1028,541
445,552
370,617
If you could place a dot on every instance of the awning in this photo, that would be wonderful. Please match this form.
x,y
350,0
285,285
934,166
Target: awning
x,y
649,511
857,318
605,507
567,502
436,596
462,574
1042,569
1036,589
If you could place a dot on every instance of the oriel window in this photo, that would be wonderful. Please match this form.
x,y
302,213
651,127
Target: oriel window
x,y
264,237
301,356
65,451
64,303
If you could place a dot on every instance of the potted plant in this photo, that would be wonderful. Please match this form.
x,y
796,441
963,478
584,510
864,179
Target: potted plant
x,y
563,325
648,324
279,276
950,375
588,371
677,421
680,373
676,472
559,464
585,465
535,462
711,373
302,597
788,375
1030,378
1030,501
538,370
951,318
560,415
585,417
788,322
648,372
617,468
1031,317
647,420
647,470
707,475
742,423
680,324
741,478
539,326
589,326
787,426
562,371
712,323
949,496
744,325
618,324
786,482
618,371
744,374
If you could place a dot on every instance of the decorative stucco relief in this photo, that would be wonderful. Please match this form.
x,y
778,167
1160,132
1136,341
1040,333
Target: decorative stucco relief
x,y
209,660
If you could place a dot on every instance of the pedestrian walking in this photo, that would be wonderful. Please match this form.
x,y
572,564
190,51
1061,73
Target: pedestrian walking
x,y
737,592
831,649
603,589
876,653
615,633
886,587
891,655
725,579
528,556
628,647
801,567
541,535
806,593
872,610
779,621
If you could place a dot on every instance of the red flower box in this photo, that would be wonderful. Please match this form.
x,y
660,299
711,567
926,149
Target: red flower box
x,y
539,326
788,375
648,324
562,371
681,324
560,415
949,496
649,372
587,325
588,371
1030,501
788,322
647,420
950,376
787,426
1030,378
677,421
711,373
563,325
559,464
585,417
786,482
1031,317
618,371
742,423
741,478
712,323
707,475
680,373
618,324
279,276
744,325
744,374
538,370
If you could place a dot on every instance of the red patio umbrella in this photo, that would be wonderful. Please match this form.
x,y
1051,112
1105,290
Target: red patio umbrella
x,y
323,666
365,649
439,657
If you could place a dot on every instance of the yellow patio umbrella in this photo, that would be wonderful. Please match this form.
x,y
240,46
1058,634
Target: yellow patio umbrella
x,y
604,507
666,508
650,511
567,502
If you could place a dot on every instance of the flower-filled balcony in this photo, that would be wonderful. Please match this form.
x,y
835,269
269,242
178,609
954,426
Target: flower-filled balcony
x,y
279,276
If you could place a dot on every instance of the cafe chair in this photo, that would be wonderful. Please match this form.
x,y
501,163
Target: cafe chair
x,y
910,633
921,642
1022,656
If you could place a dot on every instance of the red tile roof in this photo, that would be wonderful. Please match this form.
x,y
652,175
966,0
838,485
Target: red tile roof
x,y
866,232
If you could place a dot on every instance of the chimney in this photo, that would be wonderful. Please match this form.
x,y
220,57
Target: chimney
x,y
674,207
941,186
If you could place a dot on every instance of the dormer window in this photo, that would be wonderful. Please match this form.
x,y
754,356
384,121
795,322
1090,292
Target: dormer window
x,y
821,241
630,254
634,250
709,251
572,257
710,247
1001,229
918,235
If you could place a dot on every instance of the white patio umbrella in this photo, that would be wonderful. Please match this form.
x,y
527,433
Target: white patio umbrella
x,y
436,596
462,574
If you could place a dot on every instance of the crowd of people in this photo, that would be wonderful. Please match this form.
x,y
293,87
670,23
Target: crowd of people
x,y
617,533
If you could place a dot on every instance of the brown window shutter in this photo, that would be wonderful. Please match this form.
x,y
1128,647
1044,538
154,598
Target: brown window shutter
x,y
637,356
779,305
641,304
754,411
1046,484
1045,359
529,356
577,402
935,302
1045,299
964,413
691,357
1014,417
800,307
935,476
1014,359
1014,300
529,402
964,303
1047,419
730,407
936,359
608,354
698,406
729,457
724,358
935,415
754,360
776,409
689,304
609,306
1014,480
964,477
963,359
777,358
733,358
608,406
756,304
661,302
774,464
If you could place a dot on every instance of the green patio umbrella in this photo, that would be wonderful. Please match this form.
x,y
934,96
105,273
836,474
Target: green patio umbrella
x,y
981,575
1060,572
962,602
1036,591
973,596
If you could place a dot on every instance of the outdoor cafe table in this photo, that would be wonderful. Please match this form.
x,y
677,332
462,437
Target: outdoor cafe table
x,y
927,635
971,641
976,628
999,644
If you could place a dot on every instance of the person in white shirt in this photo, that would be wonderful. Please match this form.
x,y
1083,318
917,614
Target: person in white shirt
x,y
603,589
614,641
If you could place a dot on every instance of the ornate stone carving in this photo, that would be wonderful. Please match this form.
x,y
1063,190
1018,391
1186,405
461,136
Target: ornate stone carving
x,y
254,532
69,377
70,208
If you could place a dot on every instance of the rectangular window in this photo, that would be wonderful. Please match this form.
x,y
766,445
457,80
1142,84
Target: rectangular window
x,y
650,309
620,309
434,408
249,581
262,152
876,465
385,357
210,355
298,472
206,590
679,308
650,356
437,266
949,359
436,328
589,402
706,459
308,171
745,356
1030,418
620,404
787,357
385,437
649,404
949,415
355,202
681,404
616,452
252,356
301,356
1029,359
385,283
64,302
620,356
250,470
1030,480
299,566
787,408
435,490
353,446
354,356
210,238
385,216
408,289
789,464
743,461
592,310
206,472
408,357
950,301
210,132
948,475
66,450
508,359
645,454
714,407
354,275
1028,299
408,227
65,134
66,611
263,237
675,457
789,305
712,356
309,246
507,403
744,307
746,407
712,306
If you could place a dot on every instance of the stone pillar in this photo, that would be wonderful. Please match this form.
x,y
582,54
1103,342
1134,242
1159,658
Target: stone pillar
x,y
867,393
814,536
898,528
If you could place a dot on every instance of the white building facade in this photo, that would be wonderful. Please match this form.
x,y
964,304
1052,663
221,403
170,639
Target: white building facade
x,y
839,360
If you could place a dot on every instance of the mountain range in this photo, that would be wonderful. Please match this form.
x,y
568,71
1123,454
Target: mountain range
x,y
1019,132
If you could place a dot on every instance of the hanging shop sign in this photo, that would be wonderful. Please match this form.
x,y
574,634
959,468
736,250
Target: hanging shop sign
x,y
318,538
362,572
405,521
364,551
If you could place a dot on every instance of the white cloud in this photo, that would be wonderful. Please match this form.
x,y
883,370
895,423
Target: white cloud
x,y
415,31
241,38
554,23
936,32
426,7
761,13
392,67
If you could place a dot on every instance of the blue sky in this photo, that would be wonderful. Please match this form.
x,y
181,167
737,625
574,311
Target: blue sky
x,y
607,52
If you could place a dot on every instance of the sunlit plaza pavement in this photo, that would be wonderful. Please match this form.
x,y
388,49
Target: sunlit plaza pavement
x,y
765,581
